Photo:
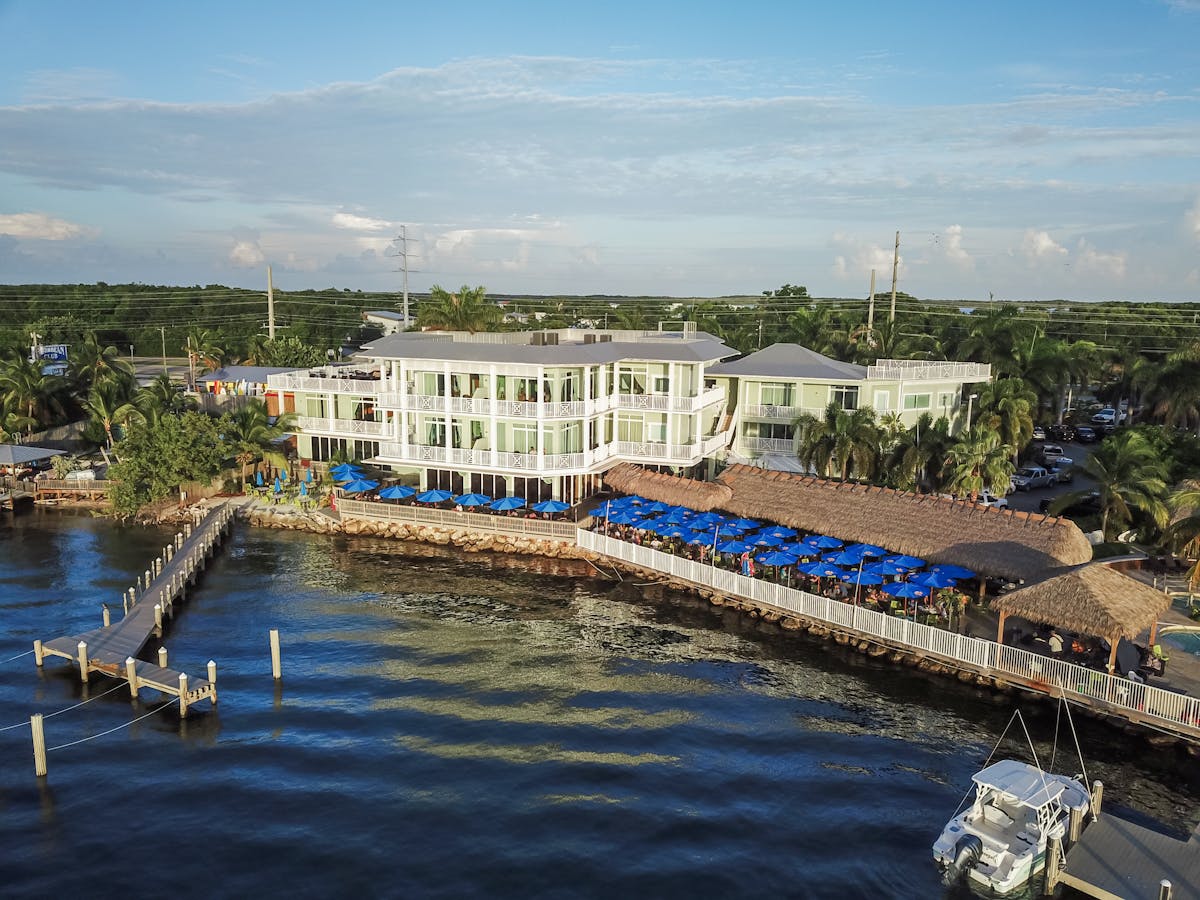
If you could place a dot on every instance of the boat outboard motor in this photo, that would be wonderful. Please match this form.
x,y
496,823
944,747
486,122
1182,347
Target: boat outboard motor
x,y
967,850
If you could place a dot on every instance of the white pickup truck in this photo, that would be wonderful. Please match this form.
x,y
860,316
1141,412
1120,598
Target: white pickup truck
x,y
1029,477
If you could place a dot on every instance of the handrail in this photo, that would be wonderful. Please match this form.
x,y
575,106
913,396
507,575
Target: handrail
x,y
81,485
1178,713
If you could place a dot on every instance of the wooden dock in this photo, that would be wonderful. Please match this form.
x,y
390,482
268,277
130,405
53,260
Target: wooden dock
x,y
113,648
1115,859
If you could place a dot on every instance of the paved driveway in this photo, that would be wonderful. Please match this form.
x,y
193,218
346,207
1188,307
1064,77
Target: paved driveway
x,y
1028,501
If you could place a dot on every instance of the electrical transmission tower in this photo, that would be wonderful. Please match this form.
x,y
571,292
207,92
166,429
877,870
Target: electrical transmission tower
x,y
399,249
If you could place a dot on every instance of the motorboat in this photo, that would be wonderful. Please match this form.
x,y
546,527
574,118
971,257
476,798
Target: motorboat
x,y
1001,839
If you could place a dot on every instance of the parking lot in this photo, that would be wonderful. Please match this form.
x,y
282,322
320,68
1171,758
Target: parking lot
x,y
1028,501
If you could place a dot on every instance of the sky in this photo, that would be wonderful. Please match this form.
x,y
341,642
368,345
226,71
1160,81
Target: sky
x,y
1023,150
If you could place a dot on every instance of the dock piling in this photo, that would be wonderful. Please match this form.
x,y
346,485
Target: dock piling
x,y
39,655
39,745
183,697
1053,864
162,657
158,617
105,615
131,677
83,661
276,669
212,679
1164,890
1097,798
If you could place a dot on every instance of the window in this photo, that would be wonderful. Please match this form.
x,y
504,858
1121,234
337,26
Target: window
x,y
662,384
774,430
916,401
844,395
629,428
883,401
776,395
947,399
656,432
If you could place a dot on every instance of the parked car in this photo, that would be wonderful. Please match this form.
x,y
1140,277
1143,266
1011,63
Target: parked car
x,y
1051,454
1107,417
1089,505
1064,470
1061,432
1039,433
987,498
1029,477
1086,434
81,475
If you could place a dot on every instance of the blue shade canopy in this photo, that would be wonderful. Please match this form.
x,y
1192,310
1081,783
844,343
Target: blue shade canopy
x,y
283,475
345,471
550,506
677,531
780,531
822,541
733,547
358,485
303,489
435,495
472,499
744,524
278,485
820,570
909,562
933,580
625,517
308,475
764,540
396,492
504,504
862,578
905,589
866,550
656,507
258,479
777,558
705,536
952,571
633,500
885,568
605,509
845,558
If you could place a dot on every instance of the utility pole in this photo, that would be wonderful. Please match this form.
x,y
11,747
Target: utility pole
x,y
191,365
895,267
162,330
270,306
400,248
33,346
871,303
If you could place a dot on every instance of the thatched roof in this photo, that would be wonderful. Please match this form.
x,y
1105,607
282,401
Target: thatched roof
x,y
1010,544
1095,600
698,495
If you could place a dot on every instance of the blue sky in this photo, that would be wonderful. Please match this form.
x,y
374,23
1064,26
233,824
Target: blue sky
x,y
1030,150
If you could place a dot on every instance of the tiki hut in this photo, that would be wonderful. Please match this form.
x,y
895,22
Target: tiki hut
x,y
1094,600
1015,545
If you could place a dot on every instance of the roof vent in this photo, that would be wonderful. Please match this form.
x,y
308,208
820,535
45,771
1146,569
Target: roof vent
x,y
606,338
537,339
551,337
589,339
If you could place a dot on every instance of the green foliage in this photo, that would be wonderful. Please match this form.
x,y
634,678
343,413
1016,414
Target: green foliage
x,y
154,461
284,351
467,310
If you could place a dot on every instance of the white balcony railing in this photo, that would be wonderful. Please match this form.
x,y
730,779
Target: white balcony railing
x,y
768,445
661,402
638,450
325,384
316,425
922,370
769,411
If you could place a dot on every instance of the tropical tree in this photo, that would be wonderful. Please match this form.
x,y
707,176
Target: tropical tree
x,y
250,434
92,363
108,403
154,461
1008,406
1130,476
915,461
468,310
203,349
843,442
1183,534
978,459
1175,390
160,398
37,395
13,421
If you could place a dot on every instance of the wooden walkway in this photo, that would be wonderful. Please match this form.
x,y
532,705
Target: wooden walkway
x,y
1115,858
113,649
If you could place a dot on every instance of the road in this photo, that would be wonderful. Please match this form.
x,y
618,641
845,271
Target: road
x,y
147,368
1028,501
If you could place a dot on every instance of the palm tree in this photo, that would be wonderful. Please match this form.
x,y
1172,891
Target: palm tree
x,y
108,403
978,460
1175,391
160,398
846,442
468,310
1183,534
251,433
13,421
27,388
91,363
1007,406
202,348
1129,476
916,459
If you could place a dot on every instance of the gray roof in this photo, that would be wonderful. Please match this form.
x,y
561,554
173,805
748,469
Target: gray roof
x,y
415,345
791,361
245,373
18,454
386,314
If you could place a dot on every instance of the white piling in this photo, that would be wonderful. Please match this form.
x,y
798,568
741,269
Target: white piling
x,y
83,660
212,679
39,655
39,745
125,604
131,676
132,596
276,670
158,619
105,615
183,699
162,657
147,575
1164,889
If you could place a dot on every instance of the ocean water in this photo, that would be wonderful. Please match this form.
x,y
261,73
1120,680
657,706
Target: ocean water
x,y
481,726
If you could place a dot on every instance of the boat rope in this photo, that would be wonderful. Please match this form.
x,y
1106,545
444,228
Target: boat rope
x,y
111,730
18,656
1033,750
1057,721
1078,749
962,802
59,712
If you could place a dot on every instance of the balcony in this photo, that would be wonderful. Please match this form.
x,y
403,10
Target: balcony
x,y
636,451
341,427
493,460
325,384
768,445
921,370
775,413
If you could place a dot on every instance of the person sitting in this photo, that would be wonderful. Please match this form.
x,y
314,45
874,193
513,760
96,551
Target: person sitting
x,y
1055,643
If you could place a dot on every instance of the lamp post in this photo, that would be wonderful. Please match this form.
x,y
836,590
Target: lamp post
x,y
971,399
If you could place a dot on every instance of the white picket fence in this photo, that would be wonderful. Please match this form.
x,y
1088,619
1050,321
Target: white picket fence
x,y
1167,710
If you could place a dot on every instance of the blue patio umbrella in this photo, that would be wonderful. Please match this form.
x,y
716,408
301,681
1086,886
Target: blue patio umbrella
x,y
908,562
735,547
258,479
863,577
358,485
631,500
278,486
303,489
820,570
905,589
744,524
472,499
435,495
822,541
656,507
702,537
345,471
625,517
780,531
764,540
679,514
845,558
677,531
952,571
550,506
866,550
799,548
308,475
283,475
396,492
933,580
883,567
504,504
777,558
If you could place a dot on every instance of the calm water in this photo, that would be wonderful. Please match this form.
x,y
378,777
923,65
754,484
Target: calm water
x,y
479,727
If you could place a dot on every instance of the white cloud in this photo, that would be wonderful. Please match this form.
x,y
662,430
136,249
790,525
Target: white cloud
x,y
948,245
1192,219
246,254
1038,246
39,226
352,222
857,258
1091,261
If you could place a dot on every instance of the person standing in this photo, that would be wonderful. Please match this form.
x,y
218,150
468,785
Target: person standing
x,y
1055,643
